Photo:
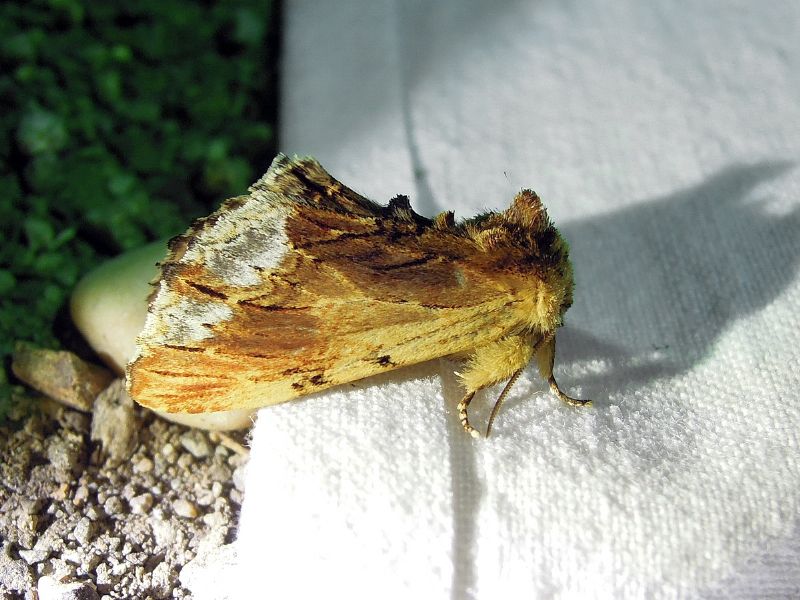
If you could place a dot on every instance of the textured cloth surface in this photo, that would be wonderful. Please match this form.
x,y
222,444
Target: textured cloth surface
x,y
664,140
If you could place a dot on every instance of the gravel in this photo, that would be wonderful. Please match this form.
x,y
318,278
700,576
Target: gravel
x,y
119,517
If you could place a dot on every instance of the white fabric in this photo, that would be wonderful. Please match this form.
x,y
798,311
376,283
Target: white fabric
x,y
664,139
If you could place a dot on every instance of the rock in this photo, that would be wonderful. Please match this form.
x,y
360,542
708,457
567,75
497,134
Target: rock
x,y
161,579
196,443
113,506
81,495
143,465
103,576
72,419
84,531
163,531
50,588
168,450
114,422
109,306
239,477
184,508
60,375
95,513
225,420
216,489
44,547
185,460
64,451
141,504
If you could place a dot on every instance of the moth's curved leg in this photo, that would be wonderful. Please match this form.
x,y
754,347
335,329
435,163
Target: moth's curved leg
x,y
545,356
464,418
490,364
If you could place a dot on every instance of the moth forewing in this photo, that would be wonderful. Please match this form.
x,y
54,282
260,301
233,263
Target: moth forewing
x,y
304,284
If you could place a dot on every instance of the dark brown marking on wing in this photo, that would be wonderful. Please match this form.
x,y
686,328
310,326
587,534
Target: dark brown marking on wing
x,y
207,290
302,176
184,348
385,361
340,238
318,380
271,307
416,262
298,370
187,374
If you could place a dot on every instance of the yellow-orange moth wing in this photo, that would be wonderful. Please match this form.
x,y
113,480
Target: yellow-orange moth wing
x,y
303,284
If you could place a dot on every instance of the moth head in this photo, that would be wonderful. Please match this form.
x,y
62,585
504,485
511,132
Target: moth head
x,y
546,253
525,244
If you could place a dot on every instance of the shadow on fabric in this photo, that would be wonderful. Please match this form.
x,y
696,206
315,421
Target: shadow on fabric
x,y
663,279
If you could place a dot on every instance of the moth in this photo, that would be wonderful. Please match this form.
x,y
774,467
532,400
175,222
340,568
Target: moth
x,y
303,284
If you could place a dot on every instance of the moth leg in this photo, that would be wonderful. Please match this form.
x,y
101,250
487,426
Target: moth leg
x,y
546,357
464,418
490,364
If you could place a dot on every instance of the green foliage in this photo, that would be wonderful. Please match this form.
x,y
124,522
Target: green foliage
x,y
119,122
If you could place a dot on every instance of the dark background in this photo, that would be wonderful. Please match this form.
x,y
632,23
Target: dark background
x,y
118,125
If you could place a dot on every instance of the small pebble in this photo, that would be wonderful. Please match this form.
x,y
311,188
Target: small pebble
x,y
162,578
205,498
184,508
114,422
81,495
220,472
90,562
63,452
58,568
216,489
50,588
95,513
37,554
185,460
72,419
168,450
141,504
163,531
113,505
129,491
60,375
143,465
103,574
84,531
239,477
196,443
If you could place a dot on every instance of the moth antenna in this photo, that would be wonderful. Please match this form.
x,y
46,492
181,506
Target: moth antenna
x,y
500,399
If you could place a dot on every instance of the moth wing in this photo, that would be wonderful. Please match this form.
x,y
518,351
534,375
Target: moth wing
x,y
303,285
